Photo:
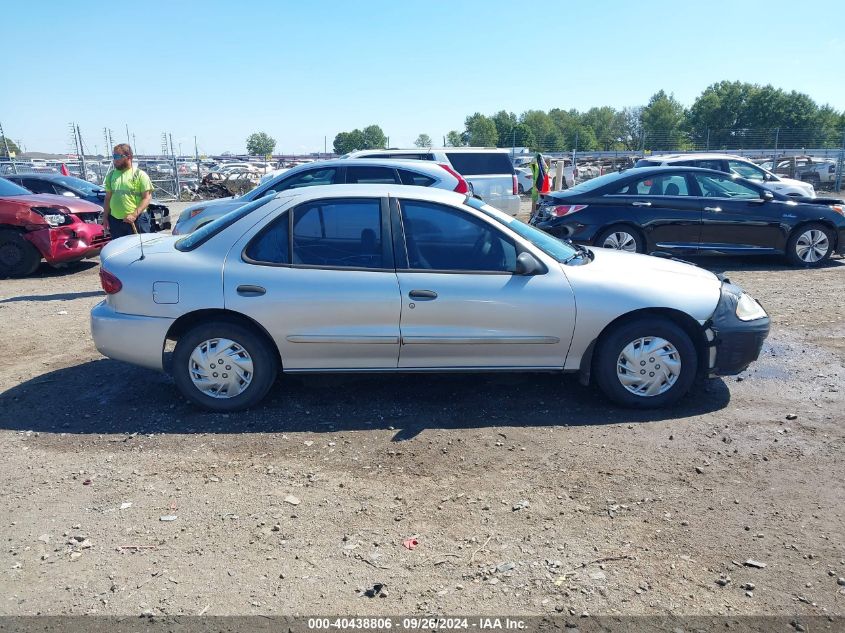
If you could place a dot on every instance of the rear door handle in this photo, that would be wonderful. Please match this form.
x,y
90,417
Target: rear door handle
x,y
639,203
712,208
251,291
422,295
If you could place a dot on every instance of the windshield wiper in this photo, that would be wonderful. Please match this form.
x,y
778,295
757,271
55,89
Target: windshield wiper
x,y
580,251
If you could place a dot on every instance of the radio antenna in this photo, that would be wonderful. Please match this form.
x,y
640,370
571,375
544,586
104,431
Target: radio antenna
x,y
140,240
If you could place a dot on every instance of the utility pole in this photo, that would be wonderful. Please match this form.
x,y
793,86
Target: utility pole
x,y
81,153
325,146
175,168
8,153
106,140
127,135
197,157
775,155
134,146
841,165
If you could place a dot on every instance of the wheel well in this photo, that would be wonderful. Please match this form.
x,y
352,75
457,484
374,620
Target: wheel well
x,y
824,223
628,225
692,327
189,320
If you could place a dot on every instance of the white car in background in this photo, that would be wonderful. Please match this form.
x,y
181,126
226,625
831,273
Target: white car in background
x,y
737,165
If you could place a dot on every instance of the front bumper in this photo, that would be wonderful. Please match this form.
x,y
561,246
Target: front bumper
x,y
128,337
734,344
68,243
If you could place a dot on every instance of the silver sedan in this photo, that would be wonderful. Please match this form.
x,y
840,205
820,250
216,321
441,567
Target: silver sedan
x,y
385,278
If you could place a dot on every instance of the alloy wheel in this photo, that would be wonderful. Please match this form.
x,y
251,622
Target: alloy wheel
x,y
648,366
621,241
220,368
812,246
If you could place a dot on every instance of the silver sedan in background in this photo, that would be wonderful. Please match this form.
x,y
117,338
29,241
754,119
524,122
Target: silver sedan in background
x,y
328,172
385,278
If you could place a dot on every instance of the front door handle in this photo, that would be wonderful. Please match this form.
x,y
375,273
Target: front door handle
x,y
251,291
712,208
422,295
639,203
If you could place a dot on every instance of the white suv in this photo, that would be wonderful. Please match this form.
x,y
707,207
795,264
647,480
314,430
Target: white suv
x,y
488,170
742,167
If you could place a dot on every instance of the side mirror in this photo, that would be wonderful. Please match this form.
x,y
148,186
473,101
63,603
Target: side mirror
x,y
768,196
69,194
269,192
527,264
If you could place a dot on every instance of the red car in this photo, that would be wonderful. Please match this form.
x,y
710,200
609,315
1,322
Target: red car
x,y
58,229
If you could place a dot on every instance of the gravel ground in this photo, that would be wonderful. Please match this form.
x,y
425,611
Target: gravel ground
x,y
526,493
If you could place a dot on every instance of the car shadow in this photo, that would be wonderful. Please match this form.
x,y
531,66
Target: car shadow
x,y
64,296
46,271
755,262
106,397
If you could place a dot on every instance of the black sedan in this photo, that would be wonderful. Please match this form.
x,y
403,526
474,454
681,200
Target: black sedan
x,y
686,210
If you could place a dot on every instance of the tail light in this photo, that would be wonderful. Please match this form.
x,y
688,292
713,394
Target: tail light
x,y
838,209
831,169
462,186
515,185
561,210
110,283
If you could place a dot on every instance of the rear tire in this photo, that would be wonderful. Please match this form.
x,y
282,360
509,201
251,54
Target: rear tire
x,y
247,371
18,258
645,363
621,238
809,246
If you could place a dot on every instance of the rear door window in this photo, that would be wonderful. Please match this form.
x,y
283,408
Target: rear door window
x,y
309,178
371,176
746,170
480,163
660,185
339,233
414,178
272,245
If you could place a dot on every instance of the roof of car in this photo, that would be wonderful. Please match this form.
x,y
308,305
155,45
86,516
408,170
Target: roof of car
x,y
425,150
40,175
419,165
362,191
697,156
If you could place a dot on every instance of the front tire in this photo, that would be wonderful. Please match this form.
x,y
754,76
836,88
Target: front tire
x,y
18,258
809,246
645,363
621,238
224,366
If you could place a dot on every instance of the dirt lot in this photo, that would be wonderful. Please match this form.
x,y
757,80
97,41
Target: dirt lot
x,y
527,493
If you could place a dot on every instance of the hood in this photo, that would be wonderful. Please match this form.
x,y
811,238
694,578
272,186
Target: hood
x,y
616,282
637,268
74,205
790,182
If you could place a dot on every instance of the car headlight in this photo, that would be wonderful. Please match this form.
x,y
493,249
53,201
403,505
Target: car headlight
x,y
53,216
747,308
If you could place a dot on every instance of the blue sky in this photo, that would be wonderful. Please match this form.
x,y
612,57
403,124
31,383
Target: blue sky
x,y
306,70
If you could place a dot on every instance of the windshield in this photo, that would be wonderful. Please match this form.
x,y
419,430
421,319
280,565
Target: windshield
x,y
551,246
8,188
78,183
207,231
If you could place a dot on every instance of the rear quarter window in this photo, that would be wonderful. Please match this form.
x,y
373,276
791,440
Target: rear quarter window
x,y
480,163
644,162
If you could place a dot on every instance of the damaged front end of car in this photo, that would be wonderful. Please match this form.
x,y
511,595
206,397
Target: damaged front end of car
x,y
63,237
736,331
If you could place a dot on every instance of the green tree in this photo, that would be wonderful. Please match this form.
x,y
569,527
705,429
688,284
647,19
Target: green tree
x,y
480,131
260,144
663,121
373,137
12,147
605,125
454,139
631,124
423,140
522,136
505,123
